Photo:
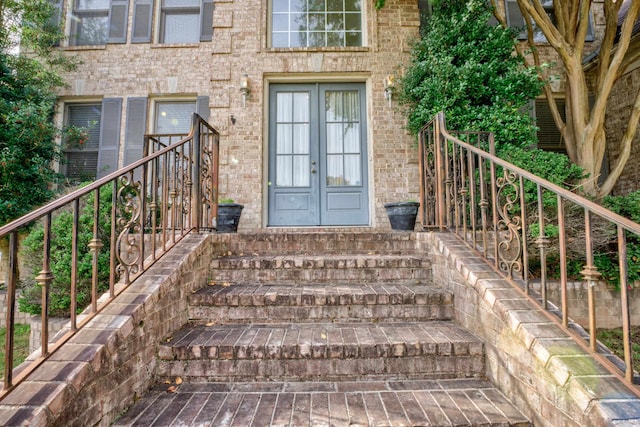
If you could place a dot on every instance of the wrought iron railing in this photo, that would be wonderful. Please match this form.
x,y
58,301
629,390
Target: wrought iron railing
x,y
132,217
526,227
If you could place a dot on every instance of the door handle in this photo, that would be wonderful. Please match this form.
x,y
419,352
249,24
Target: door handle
x,y
313,170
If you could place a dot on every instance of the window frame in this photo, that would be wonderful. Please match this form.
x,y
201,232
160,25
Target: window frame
x,y
204,31
76,20
539,37
325,31
66,120
157,103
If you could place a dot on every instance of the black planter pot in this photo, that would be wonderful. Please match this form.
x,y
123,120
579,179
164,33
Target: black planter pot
x,y
402,215
229,217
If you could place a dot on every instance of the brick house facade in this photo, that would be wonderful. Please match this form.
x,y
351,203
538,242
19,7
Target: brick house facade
x,y
130,78
147,64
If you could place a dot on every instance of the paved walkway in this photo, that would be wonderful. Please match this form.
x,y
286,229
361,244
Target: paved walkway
x,y
458,402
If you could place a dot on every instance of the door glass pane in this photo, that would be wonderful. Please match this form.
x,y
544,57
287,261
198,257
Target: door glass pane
x,y
351,104
301,138
301,107
284,143
301,171
342,110
335,170
334,138
333,106
352,173
292,139
284,106
351,138
283,174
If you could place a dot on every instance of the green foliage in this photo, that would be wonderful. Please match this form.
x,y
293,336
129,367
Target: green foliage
x,y
27,99
468,69
554,167
61,232
21,334
606,260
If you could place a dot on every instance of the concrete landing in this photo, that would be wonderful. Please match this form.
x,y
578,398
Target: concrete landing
x,y
466,402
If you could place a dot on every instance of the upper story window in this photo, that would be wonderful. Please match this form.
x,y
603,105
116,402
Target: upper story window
x,y
98,22
90,22
316,23
186,21
516,20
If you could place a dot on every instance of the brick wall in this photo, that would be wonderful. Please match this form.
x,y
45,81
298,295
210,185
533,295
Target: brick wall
x,y
619,108
531,359
112,358
20,317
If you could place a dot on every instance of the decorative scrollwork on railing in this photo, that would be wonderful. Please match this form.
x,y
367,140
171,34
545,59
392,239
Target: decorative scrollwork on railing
x,y
129,221
206,182
509,224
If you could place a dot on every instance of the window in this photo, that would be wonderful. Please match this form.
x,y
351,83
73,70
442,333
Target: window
x,y
174,118
90,21
316,23
97,22
186,21
516,20
81,160
549,137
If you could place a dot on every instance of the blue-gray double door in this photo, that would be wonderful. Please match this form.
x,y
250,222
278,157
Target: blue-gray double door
x,y
317,155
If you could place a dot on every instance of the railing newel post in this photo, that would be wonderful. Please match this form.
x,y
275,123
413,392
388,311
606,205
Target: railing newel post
x,y
543,243
196,201
624,297
44,280
11,310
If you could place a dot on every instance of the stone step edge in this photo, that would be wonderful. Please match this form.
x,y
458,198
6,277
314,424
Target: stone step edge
x,y
326,341
320,261
234,294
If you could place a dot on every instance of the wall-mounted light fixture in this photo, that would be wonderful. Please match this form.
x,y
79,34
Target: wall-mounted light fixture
x,y
389,87
244,89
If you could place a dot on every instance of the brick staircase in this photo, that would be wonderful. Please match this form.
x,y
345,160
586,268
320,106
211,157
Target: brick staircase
x,y
321,329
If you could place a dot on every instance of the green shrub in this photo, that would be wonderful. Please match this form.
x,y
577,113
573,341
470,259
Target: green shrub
x,y
606,259
468,69
60,258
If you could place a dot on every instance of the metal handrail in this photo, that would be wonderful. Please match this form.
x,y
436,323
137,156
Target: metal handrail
x,y
466,190
154,203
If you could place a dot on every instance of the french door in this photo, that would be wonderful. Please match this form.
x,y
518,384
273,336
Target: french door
x,y
317,155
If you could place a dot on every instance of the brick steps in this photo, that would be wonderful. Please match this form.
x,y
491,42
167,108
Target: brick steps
x,y
372,403
298,269
311,242
312,303
320,351
321,328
